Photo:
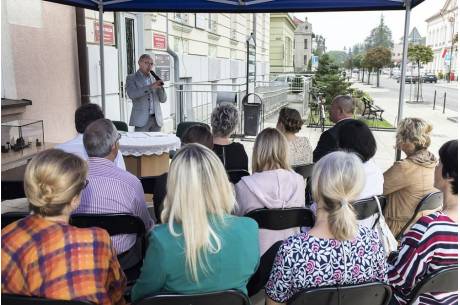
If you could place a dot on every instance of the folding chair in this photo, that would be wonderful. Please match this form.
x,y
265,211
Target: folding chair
x,y
156,185
306,170
10,217
120,125
367,207
183,126
235,175
227,297
14,299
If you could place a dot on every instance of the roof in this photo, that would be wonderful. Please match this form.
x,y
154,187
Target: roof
x,y
239,6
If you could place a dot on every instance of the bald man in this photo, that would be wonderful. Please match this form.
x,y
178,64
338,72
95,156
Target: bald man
x,y
341,110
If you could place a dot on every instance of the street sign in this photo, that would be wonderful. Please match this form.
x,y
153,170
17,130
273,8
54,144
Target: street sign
x,y
107,32
162,66
159,41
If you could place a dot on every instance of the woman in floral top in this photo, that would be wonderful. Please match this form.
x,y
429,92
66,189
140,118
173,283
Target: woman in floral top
x,y
336,251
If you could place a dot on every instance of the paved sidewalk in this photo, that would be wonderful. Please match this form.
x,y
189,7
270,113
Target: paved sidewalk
x,y
445,84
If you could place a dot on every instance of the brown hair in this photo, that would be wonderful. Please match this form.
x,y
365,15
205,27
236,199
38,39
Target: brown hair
x,y
52,179
290,119
270,151
198,134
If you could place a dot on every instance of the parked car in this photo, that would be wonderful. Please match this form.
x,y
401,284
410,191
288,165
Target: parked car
x,y
429,78
409,79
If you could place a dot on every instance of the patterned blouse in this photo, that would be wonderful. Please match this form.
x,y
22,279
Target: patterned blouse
x,y
300,151
431,244
58,261
305,261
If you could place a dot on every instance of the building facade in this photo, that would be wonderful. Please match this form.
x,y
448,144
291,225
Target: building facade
x,y
442,30
397,50
302,45
282,30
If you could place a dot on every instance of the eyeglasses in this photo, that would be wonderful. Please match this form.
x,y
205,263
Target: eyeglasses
x,y
148,63
118,137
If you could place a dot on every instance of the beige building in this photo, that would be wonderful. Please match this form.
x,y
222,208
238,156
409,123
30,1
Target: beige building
x,y
441,28
302,45
282,30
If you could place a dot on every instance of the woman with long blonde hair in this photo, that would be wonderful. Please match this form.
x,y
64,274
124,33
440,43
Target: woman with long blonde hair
x,y
200,247
272,185
336,251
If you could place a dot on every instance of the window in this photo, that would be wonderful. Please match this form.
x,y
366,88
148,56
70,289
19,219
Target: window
x,y
305,60
181,17
305,42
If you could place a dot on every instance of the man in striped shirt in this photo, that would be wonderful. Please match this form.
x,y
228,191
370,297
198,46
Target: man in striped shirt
x,y
111,189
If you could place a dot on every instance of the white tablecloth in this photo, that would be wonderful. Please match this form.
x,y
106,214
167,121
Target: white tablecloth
x,y
147,143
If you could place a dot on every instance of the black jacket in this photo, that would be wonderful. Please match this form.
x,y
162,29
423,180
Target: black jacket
x,y
328,141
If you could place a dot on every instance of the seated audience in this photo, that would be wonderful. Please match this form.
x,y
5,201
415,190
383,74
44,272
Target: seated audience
x,y
272,185
409,180
289,123
340,112
200,247
85,115
432,243
44,256
111,189
198,134
224,119
336,251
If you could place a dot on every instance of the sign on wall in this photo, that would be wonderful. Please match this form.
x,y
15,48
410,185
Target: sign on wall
x,y
108,33
162,66
159,41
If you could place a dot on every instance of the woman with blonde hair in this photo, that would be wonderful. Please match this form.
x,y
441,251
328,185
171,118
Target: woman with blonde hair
x,y
42,255
272,185
336,251
409,180
200,247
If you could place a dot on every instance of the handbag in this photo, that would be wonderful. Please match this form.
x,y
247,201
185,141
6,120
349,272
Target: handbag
x,y
387,238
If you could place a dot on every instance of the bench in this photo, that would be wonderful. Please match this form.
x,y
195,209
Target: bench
x,y
371,109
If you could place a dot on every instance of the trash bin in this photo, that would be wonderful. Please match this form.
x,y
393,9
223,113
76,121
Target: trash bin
x,y
252,115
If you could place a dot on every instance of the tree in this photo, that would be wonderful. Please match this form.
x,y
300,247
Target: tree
x,y
379,37
328,79
338,57
357,62
378,58
420,55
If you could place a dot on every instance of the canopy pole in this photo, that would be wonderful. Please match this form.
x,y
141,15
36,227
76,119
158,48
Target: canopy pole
x,y
402,82
101,52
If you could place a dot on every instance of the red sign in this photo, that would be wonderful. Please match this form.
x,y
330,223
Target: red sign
x,y
159,41
108,33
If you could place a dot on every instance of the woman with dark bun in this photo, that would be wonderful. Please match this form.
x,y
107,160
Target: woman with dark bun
x,y
289,123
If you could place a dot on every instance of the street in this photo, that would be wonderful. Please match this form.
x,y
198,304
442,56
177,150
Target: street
x,y
428,90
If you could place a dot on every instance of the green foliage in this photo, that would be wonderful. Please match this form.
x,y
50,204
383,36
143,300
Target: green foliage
x,y
329,80
378,57
338,57
358,60
379,37
420,54
440,75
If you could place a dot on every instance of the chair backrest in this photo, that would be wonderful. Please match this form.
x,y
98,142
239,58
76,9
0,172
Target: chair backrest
x,y
367,207
363,294
120,125
11,217
156,185
14,299
444,280
227,297
183,126
305,170
281,219
12,190
235,175
114,224
432,201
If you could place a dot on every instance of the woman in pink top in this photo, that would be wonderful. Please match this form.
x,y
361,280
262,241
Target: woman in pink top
x,y
272,185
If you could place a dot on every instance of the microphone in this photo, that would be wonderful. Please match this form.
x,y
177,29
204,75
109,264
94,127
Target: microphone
x,y
157,78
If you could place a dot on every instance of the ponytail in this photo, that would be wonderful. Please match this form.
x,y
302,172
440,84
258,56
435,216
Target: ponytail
x,y
342,220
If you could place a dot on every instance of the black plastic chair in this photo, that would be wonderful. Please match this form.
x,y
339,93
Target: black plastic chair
x,y
10,217
156,185
14,299
305,170
281,219
120,125
363,294
235,175
183,126
12,190
367,207
116,224
227,297
432,201
444,280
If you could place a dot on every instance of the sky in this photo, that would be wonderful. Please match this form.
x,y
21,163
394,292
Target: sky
x,y
344,29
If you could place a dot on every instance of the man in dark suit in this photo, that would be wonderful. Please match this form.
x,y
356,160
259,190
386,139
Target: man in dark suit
x,y
340,112
146,93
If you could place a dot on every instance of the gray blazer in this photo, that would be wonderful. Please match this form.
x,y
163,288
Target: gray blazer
x,y
139,93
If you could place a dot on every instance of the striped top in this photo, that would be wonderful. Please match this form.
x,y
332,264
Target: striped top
x,y
58,261
431,244
113,190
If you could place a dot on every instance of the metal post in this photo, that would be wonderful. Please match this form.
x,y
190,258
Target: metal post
x,y
434,100
402,82
444,104
452,21
101,53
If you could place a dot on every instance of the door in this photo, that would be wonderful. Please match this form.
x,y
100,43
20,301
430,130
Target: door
x,y
129,54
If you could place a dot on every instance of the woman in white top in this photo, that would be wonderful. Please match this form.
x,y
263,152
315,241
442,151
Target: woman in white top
x,y
289,123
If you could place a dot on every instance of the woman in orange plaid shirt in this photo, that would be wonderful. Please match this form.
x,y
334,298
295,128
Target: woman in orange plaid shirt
x,y
42,255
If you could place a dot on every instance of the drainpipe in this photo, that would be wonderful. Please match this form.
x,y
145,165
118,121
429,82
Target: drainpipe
x,y
179,107
82,55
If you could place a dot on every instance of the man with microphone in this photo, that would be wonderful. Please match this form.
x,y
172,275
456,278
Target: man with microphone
x,y
146,91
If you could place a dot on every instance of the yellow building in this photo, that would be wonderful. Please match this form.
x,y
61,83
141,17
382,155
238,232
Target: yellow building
x,y
282,30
